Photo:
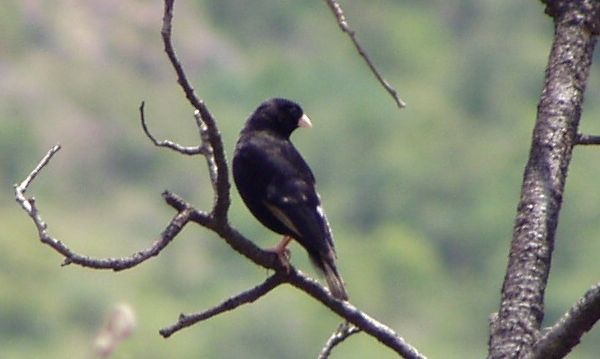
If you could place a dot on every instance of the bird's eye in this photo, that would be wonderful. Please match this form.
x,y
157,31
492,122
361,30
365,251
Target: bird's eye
x,y
295,112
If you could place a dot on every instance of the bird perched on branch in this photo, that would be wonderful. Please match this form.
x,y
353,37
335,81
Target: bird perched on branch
x,y
278,187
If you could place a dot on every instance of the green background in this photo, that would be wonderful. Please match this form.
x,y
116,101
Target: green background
x,y
421,201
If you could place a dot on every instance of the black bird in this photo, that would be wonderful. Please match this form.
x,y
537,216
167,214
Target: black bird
x,y
278,187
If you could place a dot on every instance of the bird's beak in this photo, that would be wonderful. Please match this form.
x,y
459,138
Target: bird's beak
x,y
304,121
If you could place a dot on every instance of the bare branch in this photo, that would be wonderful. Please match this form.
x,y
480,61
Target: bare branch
x,y
213,172
342,333
117,264
221,180
249,296
299,280
561,338
216,221
21,188
337,11
29,205
232,237
238,242
353,315
204,148
517,325
190,151
587,139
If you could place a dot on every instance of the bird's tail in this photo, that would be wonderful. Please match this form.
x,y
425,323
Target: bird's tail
x,y
334,280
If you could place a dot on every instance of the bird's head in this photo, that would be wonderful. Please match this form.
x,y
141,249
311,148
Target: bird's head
x,y
280,116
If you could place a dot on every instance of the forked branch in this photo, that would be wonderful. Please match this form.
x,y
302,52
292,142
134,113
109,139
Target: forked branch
x,y
211,147
29,205
516,329
343,332
563,336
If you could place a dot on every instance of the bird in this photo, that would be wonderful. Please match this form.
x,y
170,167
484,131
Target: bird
x,y
279,188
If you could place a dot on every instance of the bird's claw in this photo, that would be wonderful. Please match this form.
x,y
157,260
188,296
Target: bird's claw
x,y
284,255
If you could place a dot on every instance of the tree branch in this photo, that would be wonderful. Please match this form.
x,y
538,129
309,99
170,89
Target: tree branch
x,y
28,204
246,297
217,220
204,148
184,150
587,139
561,338
221,179
20,189
353,315
337,11
299,280
343,332
212,149
517,325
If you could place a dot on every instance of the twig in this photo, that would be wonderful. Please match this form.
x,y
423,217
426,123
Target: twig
x,y
21,188
221,180
587,139
342,333
352,314
213,170
116,264
246,297
204,148
561,338
343,24
190,151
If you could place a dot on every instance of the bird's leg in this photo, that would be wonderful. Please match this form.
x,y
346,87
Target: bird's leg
x,y
282,252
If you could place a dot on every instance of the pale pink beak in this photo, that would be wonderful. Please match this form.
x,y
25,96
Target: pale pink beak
x,y
304,121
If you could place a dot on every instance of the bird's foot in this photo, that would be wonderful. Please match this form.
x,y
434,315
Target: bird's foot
x,y
283,253
283,256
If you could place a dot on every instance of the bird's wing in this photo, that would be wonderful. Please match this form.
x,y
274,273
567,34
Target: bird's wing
x,y
295,203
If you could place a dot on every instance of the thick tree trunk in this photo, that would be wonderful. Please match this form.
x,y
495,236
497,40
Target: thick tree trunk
x,y
516,327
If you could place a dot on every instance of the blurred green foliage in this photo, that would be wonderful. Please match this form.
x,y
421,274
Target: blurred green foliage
x,y
421,200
